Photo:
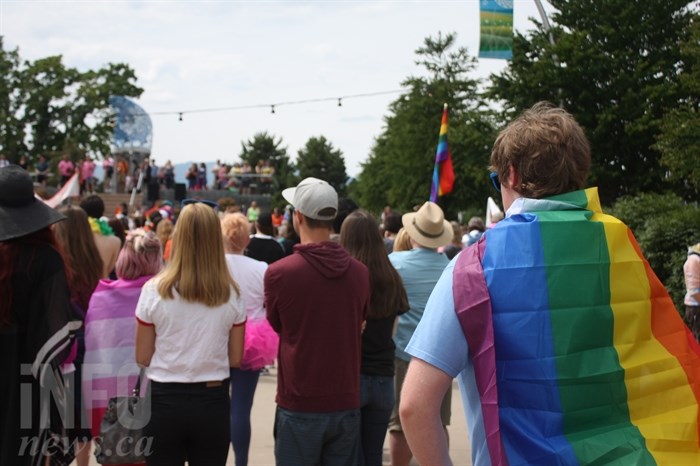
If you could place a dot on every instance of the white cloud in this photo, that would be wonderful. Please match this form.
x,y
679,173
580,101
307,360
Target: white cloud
x,y
199,55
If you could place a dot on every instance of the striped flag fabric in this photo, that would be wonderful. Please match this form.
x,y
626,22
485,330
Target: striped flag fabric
x,y
443,173
70,189
109,368
496,38
585,359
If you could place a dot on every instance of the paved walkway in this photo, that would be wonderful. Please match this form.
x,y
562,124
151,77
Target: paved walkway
x,y
262,443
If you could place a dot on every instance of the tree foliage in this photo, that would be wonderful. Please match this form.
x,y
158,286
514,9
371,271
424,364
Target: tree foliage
x,y
665,227
264,146
318,158
47,108
12,130
615,66
679,141
399,169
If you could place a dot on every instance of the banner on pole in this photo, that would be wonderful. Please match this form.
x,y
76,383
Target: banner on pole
x,y
496,40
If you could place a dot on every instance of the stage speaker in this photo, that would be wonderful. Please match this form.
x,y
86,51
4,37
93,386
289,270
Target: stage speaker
x,y
153,191
180,191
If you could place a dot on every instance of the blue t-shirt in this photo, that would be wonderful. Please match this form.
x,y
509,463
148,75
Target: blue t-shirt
x,y
420,270
450,354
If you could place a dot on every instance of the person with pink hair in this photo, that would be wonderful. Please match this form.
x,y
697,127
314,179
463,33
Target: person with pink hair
x,y
109,369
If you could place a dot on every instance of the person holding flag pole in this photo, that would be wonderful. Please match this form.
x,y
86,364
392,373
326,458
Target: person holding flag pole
x,y
443,173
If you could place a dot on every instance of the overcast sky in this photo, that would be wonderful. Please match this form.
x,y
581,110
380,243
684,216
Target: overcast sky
x,y
198,55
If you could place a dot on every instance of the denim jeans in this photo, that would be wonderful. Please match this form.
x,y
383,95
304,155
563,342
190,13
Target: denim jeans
x,y
189,421
376,403
243,385
315,439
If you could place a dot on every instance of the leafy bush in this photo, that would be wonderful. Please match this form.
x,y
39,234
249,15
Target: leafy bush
x,y
665,226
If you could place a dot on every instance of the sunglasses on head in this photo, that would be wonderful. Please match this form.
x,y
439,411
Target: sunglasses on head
x,y
496,182
211,204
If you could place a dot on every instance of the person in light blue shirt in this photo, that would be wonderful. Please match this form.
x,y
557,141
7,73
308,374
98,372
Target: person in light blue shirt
x,y
420,268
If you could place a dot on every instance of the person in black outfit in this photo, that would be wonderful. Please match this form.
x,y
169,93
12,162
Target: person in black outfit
x,y
360,236
37,325
263,246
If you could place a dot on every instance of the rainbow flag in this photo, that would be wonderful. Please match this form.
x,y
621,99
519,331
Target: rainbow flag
x,y
591,361
443,173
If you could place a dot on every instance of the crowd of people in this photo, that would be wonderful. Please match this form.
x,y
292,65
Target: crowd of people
x,y
367,321
122,174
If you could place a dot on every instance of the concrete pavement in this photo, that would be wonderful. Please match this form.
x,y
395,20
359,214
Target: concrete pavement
x,y
263,415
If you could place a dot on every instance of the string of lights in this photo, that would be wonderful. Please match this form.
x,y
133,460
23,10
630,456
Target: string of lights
x,y
273,106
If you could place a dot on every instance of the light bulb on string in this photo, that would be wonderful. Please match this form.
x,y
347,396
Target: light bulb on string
x,y
180,116
272,109
340,102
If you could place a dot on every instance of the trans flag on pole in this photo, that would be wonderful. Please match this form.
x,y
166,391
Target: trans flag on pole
x,y
443,173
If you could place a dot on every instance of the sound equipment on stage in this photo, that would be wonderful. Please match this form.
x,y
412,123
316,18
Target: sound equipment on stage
x,y
180,191
153,191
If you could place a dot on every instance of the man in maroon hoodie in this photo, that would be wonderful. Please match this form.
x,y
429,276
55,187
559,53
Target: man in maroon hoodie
x,y
317,299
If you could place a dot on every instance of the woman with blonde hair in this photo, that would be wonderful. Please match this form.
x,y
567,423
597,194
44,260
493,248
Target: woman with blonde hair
x,y
402,241
261,341
190,332
109,323
360,236
164,231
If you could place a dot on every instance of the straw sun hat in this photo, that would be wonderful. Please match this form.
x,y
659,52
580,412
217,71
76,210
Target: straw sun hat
x,y
428,226
20,212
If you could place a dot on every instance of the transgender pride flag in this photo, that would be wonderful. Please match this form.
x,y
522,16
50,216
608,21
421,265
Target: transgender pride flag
x,y
443,173
110,367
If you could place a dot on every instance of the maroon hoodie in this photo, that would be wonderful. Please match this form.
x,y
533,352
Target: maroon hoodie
x,y
316,299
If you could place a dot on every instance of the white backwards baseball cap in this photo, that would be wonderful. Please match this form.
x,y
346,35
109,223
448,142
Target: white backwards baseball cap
x,y
314,198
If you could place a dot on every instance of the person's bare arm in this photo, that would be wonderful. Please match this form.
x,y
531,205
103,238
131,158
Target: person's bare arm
x,y
423,391
235,345
145,344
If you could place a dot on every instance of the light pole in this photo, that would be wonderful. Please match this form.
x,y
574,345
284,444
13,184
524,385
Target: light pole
x,y
545,21
548,30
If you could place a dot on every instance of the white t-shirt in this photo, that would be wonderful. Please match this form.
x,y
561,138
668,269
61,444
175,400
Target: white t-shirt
x,y
249,274
191,338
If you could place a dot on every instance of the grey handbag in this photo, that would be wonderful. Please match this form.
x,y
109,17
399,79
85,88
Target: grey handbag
x,y
121,438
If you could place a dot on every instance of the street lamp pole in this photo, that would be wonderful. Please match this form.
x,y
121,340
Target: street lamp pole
x,y
548,30
545,21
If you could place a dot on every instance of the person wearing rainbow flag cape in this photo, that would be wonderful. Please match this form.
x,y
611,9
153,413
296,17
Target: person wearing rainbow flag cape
x,y
567,347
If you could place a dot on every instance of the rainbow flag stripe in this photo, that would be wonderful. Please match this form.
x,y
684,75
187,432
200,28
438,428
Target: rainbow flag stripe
x,y
593,364
443,172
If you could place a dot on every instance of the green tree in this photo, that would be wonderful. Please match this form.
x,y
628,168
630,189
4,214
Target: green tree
x,y
321,160
12,132
615,66
47,108
263,146
665,227
679,141
399,169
